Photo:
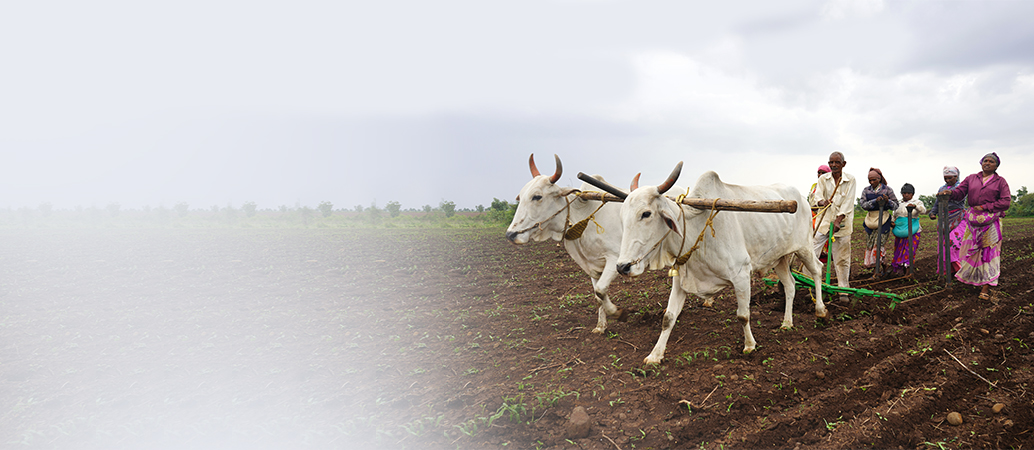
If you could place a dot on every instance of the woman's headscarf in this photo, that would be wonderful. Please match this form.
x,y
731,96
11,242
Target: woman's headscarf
x,y
824,169
952,171
879,172
993,155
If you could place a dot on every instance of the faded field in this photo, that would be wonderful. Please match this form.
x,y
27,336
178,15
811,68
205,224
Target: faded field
x,y
448,338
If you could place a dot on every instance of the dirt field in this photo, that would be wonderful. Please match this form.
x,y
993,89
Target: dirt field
x,y
223,338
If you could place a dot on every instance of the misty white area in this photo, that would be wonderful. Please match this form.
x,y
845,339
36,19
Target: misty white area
x,y
178,339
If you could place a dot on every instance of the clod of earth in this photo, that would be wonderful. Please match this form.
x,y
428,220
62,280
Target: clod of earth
x,y
579,423
955,418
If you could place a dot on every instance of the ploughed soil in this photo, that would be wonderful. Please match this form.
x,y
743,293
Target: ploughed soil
x,y
448,338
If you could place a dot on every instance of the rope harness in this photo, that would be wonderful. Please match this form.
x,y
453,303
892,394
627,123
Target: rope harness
x,y
571,231
684,258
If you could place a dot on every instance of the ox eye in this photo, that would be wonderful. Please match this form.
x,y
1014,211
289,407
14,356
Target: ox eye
x,y
646,215
536,198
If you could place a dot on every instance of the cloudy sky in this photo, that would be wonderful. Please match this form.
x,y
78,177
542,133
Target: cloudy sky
x,y
219,102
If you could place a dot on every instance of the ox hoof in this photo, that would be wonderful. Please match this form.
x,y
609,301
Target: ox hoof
x,y
708,303
620,316
652,360
748,350
786,326
820,314
599,330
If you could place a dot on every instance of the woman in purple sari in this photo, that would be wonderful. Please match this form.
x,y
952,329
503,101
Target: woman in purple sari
x,y
980,231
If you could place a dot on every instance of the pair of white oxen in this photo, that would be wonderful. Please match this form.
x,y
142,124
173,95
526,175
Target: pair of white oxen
x,y
650,230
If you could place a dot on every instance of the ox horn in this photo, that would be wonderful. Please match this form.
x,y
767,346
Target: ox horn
x,y
602,185
635,182
671,179
531,164
535,170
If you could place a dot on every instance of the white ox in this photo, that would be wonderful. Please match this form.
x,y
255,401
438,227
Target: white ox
x,y
545,211
657,230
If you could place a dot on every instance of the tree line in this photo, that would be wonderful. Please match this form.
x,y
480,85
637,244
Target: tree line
x,y
499,211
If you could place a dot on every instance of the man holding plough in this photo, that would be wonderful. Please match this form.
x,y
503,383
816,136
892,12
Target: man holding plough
x,y
834,195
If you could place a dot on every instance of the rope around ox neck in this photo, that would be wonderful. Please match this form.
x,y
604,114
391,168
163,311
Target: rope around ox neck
x,y
575,231
682,259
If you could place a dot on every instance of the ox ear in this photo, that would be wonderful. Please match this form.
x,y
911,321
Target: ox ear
x,y
669,219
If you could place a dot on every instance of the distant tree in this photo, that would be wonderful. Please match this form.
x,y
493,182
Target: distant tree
x,y
182,208
358,208
231,212
480,208
1024,204
427,208
113,209
45,209
249,208
499,205
283,209
326,208
373,210
449,208
393,208
501,211
927,201
215,209
162,212
1020,193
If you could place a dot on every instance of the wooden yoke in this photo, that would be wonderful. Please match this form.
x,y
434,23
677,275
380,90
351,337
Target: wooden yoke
x,y
773,206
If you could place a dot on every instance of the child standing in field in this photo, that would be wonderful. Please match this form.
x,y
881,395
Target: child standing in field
x,y
903,242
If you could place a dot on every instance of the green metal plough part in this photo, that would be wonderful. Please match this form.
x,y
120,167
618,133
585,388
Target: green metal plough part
x,y
808,282
826,287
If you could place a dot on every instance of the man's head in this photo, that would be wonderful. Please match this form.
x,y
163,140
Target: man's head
x,y
836,163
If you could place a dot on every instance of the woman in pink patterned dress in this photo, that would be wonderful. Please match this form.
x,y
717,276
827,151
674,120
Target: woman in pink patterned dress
x,y
980,232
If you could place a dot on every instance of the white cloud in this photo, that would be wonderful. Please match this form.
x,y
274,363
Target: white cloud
x,y
841,9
